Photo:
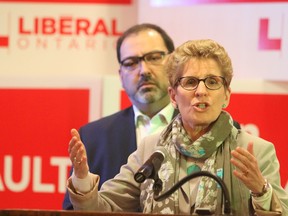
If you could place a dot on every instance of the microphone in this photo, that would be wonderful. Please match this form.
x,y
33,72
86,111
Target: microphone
x,y
151,167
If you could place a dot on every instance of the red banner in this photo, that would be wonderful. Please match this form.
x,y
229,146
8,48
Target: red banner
x,y
35,131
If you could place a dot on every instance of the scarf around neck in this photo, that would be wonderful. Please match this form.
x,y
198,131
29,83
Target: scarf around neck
x,y
214,147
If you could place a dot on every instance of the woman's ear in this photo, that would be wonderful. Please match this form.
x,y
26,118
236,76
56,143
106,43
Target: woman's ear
x,y
172,94
227,96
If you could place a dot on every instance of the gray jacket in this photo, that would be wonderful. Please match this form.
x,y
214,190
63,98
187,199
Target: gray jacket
x,y
123,193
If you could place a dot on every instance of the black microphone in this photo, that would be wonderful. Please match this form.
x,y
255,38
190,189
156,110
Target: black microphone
x,y
151,167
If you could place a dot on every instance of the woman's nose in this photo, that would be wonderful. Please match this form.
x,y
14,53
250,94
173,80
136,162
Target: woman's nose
x,y
201,89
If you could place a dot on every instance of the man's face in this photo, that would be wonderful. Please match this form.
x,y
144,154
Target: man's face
x,y
146,83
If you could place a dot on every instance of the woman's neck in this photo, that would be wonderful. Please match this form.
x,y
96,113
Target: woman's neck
x,y
197,131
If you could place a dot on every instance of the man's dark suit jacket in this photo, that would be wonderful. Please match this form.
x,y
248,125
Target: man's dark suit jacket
x,y
108,142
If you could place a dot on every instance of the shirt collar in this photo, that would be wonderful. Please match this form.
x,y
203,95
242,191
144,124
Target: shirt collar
x,y
166,113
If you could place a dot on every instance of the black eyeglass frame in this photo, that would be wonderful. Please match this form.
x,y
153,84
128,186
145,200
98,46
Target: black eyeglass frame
x,y
224,83
138,59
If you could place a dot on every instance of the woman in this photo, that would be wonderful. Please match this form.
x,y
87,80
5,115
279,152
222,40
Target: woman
x,y
201,137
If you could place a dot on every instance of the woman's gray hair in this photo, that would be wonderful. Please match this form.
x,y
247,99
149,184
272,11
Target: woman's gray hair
x,y
199,49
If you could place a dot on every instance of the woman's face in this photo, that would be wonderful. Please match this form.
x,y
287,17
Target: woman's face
x,y
201,106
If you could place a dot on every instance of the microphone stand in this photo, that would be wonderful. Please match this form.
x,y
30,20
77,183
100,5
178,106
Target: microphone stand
x,y
227,204
157,186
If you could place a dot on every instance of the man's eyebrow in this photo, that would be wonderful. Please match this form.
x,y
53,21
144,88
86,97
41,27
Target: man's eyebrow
x,y
153,51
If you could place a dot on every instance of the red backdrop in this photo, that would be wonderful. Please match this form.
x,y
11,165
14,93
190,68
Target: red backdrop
x,y
35,130
33,171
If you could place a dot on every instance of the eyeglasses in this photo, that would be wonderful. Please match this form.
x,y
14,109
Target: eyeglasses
x,y
152,58
211,82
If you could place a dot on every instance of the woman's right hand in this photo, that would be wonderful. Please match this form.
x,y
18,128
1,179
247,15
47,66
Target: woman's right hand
x,y
77,155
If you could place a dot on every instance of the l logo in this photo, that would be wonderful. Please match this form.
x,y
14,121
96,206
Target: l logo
x,y
266,43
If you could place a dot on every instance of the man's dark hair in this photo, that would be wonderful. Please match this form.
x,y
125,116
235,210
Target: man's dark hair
x,y
142,27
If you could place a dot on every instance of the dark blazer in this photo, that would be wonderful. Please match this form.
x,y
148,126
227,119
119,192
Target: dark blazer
x,y
108,141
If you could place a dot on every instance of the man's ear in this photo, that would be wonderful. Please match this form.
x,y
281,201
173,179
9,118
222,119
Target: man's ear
x,y
121,77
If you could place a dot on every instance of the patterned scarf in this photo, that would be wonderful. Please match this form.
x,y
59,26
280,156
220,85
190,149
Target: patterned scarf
x,y
214,147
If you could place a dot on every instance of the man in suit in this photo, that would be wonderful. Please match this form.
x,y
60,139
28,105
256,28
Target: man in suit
x,y
141,52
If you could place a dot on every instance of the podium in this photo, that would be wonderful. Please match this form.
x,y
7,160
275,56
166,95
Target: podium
x,y
27,212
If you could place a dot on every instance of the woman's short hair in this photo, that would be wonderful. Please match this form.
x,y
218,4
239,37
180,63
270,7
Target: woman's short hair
x,y
199,49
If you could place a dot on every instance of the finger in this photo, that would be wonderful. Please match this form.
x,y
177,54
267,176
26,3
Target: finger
x,y
72,143
81,162
75,133
75,138
241,161
75,147
241,171
241,151
250,148
245,155
241,167
80,153
241,155
241,175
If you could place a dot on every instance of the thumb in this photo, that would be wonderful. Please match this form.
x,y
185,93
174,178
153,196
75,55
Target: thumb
x,y
250,148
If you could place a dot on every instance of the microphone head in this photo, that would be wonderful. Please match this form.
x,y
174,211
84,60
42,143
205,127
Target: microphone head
x,y
140,175
151,167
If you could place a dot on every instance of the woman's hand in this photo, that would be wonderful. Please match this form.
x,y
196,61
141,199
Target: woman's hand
x,y
247,168
77,154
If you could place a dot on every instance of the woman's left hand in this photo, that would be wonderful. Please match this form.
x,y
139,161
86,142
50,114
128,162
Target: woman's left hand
x,y
247,168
